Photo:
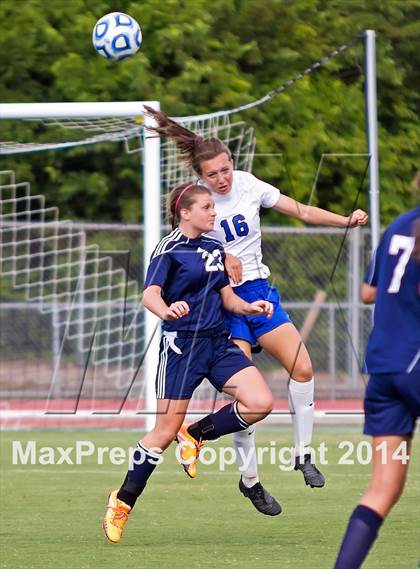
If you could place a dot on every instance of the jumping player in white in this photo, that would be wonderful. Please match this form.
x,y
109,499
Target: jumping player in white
x,y
392,400
238,198
186,286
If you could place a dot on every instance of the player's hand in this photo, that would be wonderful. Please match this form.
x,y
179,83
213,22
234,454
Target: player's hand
x,y
358,217
260,308
233,267
176,310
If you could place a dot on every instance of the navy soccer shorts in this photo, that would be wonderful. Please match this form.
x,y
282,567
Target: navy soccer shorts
x,y
250,328
392,404
185,359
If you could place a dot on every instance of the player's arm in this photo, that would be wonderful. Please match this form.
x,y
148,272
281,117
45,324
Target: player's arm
x,y
318,216
368,293
233,303
153,301
233,267
370,281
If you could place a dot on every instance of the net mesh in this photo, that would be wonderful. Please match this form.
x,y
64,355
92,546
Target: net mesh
x,y
98,318
236,135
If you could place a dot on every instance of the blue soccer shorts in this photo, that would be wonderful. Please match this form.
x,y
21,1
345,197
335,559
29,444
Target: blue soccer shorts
x,y
185,359
250,328
392,404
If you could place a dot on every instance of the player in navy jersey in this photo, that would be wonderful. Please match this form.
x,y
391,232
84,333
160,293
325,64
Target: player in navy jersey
x,y
186,286
392,400
238,197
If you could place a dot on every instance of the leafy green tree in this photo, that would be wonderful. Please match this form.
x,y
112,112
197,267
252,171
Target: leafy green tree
x,y
198,57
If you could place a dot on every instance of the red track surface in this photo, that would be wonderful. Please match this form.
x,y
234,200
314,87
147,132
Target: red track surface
x,y
107,414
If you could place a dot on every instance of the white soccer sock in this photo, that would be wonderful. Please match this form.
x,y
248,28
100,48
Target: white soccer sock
x,y
246,456
301,405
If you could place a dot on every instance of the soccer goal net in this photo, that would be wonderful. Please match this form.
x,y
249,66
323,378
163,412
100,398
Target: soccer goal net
x,y
103,344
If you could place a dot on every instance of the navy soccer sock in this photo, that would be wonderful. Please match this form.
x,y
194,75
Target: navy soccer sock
x,y
144,463
226,420
361,532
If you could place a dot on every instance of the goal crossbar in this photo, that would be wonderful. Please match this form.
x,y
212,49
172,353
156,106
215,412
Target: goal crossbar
x,y
73,110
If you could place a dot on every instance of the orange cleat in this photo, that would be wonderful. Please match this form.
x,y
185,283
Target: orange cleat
x,y
189,451
116,517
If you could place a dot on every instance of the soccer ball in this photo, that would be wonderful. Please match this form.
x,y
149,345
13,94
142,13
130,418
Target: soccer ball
x,y
116,36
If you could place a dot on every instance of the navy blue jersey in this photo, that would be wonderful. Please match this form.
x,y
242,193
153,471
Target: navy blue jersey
x,y
191,270
394,343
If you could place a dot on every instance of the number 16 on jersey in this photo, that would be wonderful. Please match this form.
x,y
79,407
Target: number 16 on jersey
x,y
238,226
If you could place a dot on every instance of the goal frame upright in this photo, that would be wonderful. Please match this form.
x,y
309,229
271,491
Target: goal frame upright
x,y
151,197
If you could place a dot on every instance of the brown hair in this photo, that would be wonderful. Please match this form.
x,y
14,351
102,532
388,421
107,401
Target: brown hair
x,y
182,197
194,149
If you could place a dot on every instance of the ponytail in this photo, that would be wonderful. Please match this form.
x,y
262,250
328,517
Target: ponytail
x,y
194,149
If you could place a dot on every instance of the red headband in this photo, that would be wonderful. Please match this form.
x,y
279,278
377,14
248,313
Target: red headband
x,y
181,194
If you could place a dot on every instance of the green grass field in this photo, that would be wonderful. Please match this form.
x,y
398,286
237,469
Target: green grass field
x,y
52,514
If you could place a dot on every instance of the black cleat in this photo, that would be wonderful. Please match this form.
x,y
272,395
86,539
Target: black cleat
x,y
311,474
263,501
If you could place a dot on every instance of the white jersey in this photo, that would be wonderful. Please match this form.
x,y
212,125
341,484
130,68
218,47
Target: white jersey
x,y
238,221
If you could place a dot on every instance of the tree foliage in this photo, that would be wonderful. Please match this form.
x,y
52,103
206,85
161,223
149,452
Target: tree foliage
x,y
198,57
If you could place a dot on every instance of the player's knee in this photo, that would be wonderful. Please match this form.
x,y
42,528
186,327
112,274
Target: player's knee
x,y
269,403
302,371
263,405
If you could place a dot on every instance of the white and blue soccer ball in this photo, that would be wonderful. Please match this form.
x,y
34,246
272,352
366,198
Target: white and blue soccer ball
x,y
116,36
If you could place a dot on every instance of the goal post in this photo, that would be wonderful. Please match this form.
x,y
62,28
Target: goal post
x,y
152,234
151,195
